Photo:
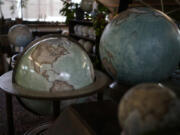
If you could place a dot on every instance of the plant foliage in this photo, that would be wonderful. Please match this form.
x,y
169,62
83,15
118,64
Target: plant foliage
x,y
68,10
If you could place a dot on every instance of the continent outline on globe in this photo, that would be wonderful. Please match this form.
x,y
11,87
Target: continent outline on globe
x,y
59,50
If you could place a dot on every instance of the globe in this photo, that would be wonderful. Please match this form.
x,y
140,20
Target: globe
x,y
140,45
52,64
147,108
38,39
86,5
20,35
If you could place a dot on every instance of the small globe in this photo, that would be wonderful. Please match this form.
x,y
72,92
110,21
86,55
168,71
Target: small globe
x,y
20,35
87,5
52,64
148,107
140,45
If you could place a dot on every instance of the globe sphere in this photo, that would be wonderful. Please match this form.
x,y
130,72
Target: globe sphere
x,y
52,64
140,45
148,107
87,5
20,35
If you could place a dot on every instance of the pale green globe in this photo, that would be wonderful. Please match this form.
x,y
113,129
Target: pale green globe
x,y
53,64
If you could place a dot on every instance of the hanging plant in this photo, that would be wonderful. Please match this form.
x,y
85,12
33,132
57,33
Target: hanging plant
x,y
68,10
99,20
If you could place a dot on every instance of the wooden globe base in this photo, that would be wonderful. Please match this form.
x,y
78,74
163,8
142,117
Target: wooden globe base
x,y
10,89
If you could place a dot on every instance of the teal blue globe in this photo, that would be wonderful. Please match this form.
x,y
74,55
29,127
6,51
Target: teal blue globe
x,y
140,45
53,64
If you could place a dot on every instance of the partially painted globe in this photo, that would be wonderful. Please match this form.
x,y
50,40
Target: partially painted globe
x,y
20,35
148,108
140,45
52,64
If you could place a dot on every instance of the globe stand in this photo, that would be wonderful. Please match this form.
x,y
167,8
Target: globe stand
x,y
173,83
11,89
39,130
119,89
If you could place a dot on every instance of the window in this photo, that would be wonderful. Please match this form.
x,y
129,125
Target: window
x,y
5,7
41,10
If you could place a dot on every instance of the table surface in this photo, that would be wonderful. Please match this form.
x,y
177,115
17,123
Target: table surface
x,y
100,83
87,119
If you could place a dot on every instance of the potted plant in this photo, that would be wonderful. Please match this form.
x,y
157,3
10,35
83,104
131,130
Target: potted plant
x,y
68,10
99,19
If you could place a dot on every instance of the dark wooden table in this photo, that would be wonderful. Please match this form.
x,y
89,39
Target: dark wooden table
x,y
94,118
11,89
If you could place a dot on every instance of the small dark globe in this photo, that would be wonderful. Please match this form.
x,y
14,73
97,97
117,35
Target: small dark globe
x,y
20,35
140,45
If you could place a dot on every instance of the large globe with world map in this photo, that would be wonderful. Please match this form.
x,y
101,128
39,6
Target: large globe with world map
x,y
140,45
52,64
